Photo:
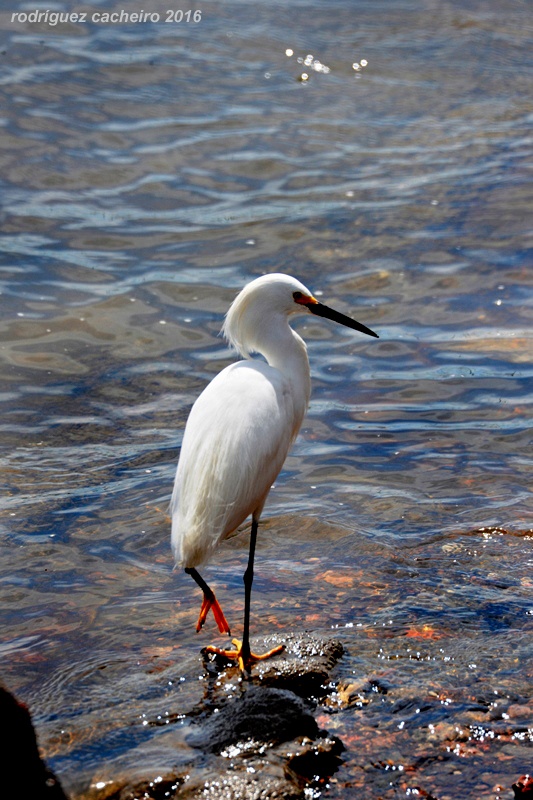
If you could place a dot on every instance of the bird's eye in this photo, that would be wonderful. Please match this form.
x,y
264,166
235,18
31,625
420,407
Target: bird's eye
x,y
297,296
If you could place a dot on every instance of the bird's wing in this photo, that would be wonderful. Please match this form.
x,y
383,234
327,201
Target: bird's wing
x,y
235,442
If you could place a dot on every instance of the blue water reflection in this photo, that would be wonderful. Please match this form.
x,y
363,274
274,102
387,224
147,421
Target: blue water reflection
x,y
148,172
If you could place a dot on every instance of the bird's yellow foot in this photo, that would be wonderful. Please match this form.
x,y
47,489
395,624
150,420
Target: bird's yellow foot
x,y
220,619
243,655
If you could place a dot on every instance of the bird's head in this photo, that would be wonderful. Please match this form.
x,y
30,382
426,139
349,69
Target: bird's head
x,y
265,300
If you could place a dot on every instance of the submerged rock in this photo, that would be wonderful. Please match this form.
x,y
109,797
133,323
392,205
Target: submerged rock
x,y
243,786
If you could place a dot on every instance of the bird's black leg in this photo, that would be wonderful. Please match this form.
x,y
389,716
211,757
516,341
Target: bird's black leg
x,y
248,579
209,602
242,653
200,581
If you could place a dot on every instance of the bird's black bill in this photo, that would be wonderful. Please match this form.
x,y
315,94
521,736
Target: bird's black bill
x,y
330,313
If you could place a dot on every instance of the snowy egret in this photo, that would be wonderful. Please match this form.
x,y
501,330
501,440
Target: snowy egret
x,y
239,432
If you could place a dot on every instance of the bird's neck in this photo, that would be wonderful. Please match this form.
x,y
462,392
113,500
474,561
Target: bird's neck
x,y
286,351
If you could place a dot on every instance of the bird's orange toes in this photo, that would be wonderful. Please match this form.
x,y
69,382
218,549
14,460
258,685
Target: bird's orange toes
x,y
243,656
220,619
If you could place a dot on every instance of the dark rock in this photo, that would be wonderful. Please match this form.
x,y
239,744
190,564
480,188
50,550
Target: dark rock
x,y
24,775
268,740
260,714
523,788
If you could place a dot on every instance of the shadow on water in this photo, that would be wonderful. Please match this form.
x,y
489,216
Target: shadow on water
x,y
148,172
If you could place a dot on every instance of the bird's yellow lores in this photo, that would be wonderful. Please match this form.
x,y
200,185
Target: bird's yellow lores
x,y
239,432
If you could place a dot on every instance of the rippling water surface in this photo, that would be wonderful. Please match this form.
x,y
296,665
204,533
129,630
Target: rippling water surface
x,y
148,172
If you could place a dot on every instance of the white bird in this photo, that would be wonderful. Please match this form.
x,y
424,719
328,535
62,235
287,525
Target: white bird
x,y
239,432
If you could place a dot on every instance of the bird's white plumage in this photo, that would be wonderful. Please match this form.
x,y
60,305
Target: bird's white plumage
x,y
242,425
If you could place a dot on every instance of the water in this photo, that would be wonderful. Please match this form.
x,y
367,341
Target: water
x,y
148,171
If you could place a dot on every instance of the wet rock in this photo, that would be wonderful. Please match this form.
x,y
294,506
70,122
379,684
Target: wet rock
x,y
267,740
282,772
252,739
304,667
261,714
316,759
